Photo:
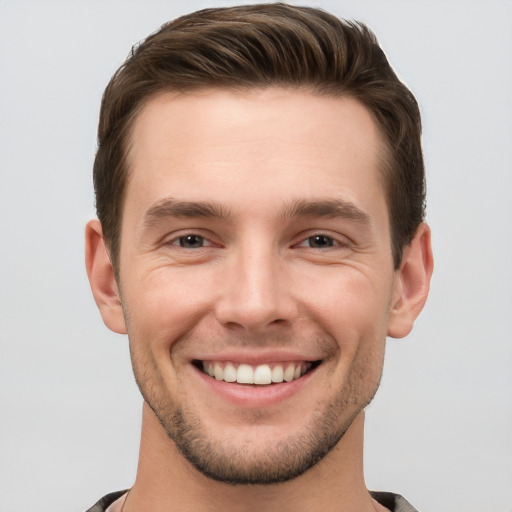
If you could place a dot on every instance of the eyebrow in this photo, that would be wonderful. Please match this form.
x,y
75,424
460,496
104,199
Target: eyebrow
x,y
326,208
170,207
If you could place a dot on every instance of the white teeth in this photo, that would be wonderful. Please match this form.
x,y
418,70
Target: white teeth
x,y
218,372
277,373
244,374
230,373
261,375
289,373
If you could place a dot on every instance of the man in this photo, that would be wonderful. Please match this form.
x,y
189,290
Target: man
x,y
260,194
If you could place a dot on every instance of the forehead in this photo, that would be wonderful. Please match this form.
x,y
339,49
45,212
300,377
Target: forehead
x,y
264,144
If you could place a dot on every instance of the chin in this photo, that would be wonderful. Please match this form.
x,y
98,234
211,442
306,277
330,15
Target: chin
x,y
249,458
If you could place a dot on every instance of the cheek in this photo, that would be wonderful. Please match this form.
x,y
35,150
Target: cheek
x,y
353,311
161,307
351,303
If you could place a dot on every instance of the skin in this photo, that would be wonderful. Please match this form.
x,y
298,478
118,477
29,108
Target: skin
x,y
290,260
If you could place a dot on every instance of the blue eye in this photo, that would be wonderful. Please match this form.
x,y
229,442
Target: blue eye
x,y
191,241
320,241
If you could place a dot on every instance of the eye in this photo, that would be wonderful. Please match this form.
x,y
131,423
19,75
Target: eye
x,y
319,242
190,241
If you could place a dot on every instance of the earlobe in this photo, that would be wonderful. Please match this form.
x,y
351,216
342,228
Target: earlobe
x,y
412,283
102,279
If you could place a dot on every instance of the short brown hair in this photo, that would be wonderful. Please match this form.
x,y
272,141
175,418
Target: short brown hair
x,y
256,46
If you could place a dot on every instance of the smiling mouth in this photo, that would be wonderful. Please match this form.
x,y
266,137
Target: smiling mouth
x,y
259,375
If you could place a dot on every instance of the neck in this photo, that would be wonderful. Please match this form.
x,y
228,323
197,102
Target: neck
x,y
166,481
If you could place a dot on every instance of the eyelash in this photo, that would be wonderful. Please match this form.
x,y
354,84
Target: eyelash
x,y
179,241
329,242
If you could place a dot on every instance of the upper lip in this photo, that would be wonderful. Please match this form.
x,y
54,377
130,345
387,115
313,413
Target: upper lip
x,y
256,358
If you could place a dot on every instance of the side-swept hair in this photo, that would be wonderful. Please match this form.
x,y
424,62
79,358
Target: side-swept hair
x,y
257,46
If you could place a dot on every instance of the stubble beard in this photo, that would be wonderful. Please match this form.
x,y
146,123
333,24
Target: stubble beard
x,y
281,461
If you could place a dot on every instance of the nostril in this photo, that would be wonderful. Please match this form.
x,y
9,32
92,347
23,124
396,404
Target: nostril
x,y
254,304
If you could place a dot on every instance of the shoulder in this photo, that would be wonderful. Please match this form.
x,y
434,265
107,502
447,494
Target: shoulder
x,y
105,502
394,502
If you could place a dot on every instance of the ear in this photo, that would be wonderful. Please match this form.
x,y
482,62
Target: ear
x,y
412,283
101,278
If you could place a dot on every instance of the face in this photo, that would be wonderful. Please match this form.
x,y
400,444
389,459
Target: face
x,y
256,274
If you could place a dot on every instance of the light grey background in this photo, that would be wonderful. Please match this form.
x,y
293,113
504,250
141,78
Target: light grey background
x,y
440,430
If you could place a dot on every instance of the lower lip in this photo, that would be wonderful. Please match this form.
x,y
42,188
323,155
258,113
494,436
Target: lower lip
x,y
248,395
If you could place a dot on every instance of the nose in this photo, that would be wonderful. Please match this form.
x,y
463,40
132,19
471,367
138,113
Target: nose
x,y
256,293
